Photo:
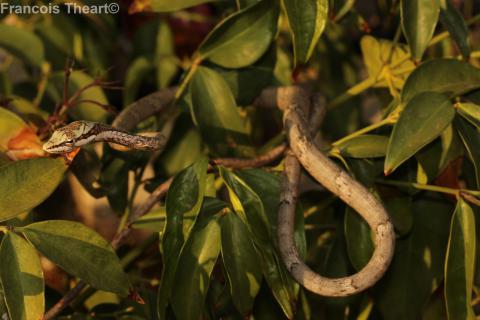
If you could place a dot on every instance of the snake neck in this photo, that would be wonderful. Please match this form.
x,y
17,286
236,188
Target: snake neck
x,y
109,134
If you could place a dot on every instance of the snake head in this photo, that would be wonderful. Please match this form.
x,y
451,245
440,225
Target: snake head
x,y
68,138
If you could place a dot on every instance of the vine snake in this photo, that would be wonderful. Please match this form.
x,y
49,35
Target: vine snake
x,y
79,133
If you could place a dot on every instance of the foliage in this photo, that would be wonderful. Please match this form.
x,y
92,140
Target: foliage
x,y
402,82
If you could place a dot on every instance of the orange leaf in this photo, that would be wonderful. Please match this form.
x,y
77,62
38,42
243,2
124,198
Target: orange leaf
x,y
25,145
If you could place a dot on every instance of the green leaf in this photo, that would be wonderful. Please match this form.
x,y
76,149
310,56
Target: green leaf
x,y
215,112
436,156
10,127
3,306
196,263
27,109
471,140
424,118
470,112
247,83
243,37
165,59
306,19
419,19
456,26
250,208
22,43
114,180
364,146
87,168
25,184
184,199
81,252
267,186
168,5
153,221
400,211
359,239
435,308
136,73
83,110
58,33
182,151
22,278
450,76
241,263
417,266
460,263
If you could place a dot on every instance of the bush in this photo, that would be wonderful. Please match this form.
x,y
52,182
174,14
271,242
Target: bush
x,y
200,219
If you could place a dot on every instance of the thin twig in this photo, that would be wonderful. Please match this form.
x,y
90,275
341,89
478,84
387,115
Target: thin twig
x,y
260,161
106,107
65,301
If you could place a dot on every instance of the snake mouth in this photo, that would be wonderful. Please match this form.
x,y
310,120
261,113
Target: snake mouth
x,y
51,148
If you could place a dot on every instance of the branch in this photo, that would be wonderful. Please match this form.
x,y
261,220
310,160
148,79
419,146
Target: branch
x,y
143,108
260,161
341,184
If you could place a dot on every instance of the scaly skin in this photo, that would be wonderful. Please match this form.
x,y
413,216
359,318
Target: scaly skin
x,y
80,133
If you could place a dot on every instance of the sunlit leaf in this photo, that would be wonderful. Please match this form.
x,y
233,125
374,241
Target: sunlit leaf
x,y
247,83
215,112
386,63
307,19
26,183
364,146
460,263
250,209
196,262
10,126
184,199
21,278
449,76
419,19
424,118
167,5
470,111
81,252
184,148
267,186
243,37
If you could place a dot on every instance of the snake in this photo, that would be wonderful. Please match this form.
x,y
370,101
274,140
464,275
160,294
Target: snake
x,y
80,133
